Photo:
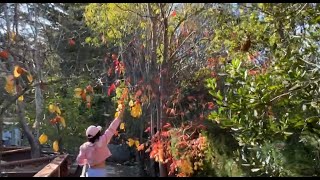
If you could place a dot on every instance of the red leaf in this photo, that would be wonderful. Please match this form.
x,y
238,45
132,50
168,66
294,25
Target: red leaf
x,y
174,13
147,130
109,72
71,42
116,63
138,94
165,134
4,54
210,105
111,88
167,125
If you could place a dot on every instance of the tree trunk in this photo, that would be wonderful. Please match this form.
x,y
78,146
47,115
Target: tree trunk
x,y
34,143
38,93
162,169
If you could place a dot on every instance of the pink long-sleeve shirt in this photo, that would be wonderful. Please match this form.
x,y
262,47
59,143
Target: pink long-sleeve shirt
x,y
97,152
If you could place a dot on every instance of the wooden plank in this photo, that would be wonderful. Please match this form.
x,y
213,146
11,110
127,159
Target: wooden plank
x,y
18,174
28,161
53,168
14,151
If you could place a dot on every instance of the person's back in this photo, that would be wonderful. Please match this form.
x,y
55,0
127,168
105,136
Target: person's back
x,y
94,152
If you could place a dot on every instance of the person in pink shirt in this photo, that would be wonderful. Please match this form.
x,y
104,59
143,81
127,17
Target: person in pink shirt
x,y
95,151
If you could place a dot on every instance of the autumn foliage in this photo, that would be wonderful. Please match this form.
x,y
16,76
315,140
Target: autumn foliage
x,y
180,149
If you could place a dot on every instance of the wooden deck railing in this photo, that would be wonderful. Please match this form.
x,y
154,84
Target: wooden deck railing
x,y
58,167
11,154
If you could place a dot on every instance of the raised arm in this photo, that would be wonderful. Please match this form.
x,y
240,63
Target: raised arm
x,y
111,130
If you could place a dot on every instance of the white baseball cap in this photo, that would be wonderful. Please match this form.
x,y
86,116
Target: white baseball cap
x,y
92,130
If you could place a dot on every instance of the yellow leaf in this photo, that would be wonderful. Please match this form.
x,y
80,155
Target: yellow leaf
x,y
119,107
57,110
43,138
55,146
77,92
30,78
130,142
52,108
137,143
122,126
116,115
63,121
131,103
136,110
20,98
18,71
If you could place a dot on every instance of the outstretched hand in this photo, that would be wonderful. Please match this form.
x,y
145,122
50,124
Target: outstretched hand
x,y
121,112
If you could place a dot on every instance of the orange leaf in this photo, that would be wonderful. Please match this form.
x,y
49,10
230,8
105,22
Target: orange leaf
x,y
83,95
18,71
141,147
4,54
